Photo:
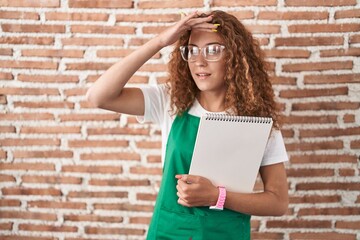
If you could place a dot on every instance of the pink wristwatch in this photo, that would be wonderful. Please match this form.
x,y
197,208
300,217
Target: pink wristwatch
x,y
221,199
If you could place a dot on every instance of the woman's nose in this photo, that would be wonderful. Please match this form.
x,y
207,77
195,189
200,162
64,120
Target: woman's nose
x,y
200,60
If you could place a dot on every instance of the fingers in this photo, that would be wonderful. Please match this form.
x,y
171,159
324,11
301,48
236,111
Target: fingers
x,y
193,21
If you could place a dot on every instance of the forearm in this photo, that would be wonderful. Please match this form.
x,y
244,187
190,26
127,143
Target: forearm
x,y
259,204
111,83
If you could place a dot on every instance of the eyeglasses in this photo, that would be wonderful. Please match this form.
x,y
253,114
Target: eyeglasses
x,y
211,53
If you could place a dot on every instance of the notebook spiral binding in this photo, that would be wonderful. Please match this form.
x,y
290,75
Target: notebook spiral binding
x,y
231,118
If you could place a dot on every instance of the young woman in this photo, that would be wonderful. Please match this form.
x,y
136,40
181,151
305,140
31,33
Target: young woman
x,y
216,66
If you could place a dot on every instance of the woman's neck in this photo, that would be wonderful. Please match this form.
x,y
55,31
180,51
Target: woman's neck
x,y
212,102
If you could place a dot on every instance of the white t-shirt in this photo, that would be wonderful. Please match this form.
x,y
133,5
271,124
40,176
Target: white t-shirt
x,y
157,106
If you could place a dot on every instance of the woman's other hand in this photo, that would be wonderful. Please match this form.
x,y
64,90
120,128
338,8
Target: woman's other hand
x,y
196,191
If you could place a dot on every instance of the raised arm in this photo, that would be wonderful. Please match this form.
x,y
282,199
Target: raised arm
x,y
108,91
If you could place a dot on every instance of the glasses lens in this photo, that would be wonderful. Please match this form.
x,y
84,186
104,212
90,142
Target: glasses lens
x,y
213,52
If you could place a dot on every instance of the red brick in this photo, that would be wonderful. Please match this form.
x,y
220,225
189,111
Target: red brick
x,y
46,228
19,15
92,169
31,191
79,41
105,194
317,66
314,106
310,93
64,16
236,3
298,224
340,52
305,159
327,79
146,197
263,29
118,182
3,99
146,170
56,205
75,92
28,64
346,172
43,154
88,66
153,159
355,144
29,142
153,68
47,105
88,117
26,116
7,129
343,211
116,131
101,4
311,146
140,220
287,53
54,53
321,236
28,40
114,231
309,119
170,4
354,39
50,130
97,143
6,76
124,207
241,15
25,3
315,199
283,80
33,28
349,118
51,179
308,41
110,156
330,132
101,29
352,186
327,3
274,15
352,13
6,51
6,178
28,166
148,144
147,18
266,235
116,53
29,91
313,28
18,237
92,218
306,173
348,225
28,215
6,226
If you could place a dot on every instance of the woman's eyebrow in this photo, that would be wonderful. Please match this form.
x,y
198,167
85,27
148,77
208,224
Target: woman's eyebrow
x,y
190,44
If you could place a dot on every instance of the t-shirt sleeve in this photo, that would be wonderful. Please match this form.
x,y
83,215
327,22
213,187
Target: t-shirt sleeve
x,y
155,99
275,151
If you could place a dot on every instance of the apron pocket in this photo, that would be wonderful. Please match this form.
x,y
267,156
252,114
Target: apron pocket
x,y
173,225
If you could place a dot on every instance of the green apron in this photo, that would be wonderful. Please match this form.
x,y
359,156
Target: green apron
x,y
174,221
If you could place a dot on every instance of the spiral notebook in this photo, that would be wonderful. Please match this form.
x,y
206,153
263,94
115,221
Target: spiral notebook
x,y
229,149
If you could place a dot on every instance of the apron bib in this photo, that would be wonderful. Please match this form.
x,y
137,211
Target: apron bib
x,y
173,221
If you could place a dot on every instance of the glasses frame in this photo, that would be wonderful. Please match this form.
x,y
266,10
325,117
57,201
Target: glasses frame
x,y
202,52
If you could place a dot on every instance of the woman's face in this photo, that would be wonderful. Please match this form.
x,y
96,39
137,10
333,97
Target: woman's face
x,y
209,76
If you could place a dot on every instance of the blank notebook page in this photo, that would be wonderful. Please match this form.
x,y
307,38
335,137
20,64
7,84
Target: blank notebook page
x,y
229,149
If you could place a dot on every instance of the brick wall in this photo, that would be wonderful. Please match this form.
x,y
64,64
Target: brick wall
x,y
70,171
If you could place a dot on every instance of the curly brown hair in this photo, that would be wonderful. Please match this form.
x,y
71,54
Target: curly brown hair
x,y
249,90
